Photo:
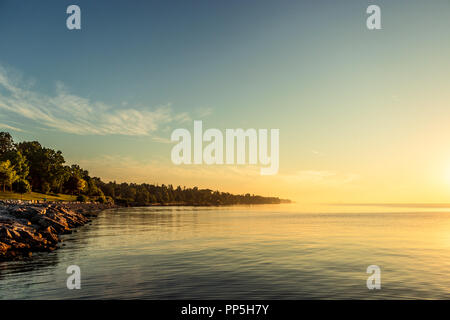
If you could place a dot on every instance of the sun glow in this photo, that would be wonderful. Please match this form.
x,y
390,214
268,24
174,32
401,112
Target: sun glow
x,y
447,175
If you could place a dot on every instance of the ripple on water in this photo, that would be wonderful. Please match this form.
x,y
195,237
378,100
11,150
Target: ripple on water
x,y
241,253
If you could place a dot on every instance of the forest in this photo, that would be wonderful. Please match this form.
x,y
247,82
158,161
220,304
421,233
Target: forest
x,y
28,166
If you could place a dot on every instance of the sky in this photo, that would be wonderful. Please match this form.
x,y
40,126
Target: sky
x,y
363,114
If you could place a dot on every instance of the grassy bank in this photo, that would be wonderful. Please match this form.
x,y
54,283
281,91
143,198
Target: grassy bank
x,y
36,196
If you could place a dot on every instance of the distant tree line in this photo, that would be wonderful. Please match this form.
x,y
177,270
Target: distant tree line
x,y
27,166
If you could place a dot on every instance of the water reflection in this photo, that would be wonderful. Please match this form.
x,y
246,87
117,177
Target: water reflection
x,y
268,252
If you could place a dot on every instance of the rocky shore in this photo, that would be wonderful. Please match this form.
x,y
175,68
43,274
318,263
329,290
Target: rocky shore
x,y
32,227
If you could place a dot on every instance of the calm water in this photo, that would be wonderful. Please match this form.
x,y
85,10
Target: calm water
x,y
273,252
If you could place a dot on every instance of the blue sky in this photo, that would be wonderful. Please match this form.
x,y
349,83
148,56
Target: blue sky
x,y
340,94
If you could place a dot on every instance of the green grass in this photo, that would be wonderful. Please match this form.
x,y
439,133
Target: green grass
x,y
36,196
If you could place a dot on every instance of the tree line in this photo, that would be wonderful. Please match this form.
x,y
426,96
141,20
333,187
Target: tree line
x,y
28,166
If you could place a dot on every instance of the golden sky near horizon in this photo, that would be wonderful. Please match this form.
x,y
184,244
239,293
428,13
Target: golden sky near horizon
x,y
363,114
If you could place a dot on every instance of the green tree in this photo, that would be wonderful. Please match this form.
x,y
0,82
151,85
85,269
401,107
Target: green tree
x,y
46,165
6,143
152,199
22,186
7,174
130,194
92,188
19,162
142,196
45,188
75,184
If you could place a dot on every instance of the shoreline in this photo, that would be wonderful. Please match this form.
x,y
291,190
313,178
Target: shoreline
x,y
36,227
185,204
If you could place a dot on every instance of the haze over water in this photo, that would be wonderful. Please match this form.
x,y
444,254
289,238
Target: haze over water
x,y
260,252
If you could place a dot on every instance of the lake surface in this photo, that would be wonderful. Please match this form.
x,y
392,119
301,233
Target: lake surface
x,y
258,252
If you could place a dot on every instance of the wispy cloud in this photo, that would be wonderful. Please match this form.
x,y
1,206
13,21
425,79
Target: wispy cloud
x,y
70,113
162,140
8,127
203,112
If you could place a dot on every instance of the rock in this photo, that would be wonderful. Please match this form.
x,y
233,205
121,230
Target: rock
x,y
5,234
4,247
51,235
28,227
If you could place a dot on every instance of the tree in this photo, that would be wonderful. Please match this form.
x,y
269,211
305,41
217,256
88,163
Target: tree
x,y
130,194
143,196
33,152
92,188
7,174
46,165
152,198
108,189
6,143
19,162
22,186
45,188
75,184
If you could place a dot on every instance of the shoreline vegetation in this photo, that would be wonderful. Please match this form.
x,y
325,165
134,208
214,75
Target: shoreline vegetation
x,y
27,169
